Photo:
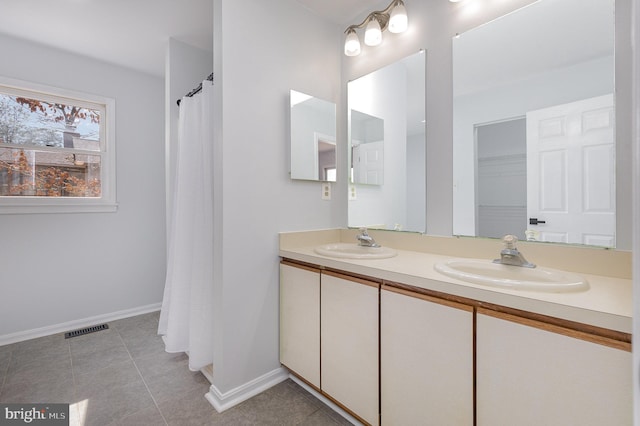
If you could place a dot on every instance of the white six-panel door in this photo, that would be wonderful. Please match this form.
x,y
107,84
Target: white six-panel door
x,y
368,162
571,172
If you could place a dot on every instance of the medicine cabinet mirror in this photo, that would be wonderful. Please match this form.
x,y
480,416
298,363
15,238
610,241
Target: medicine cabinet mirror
x,y
387,146
313,138
534,125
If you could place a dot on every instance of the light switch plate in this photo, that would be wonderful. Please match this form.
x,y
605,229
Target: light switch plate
x,y
326,191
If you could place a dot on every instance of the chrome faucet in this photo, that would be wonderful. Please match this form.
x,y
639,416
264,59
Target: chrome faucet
x,y
366,240
510,254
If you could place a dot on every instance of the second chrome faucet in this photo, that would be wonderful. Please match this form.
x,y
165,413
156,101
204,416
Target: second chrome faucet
x,y
510,255
366,240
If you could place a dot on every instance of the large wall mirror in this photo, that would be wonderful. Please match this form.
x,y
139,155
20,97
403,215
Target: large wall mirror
x,y
534,125
313,138
387,146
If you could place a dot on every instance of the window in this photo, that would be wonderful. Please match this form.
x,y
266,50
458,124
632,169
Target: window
x,y
57,151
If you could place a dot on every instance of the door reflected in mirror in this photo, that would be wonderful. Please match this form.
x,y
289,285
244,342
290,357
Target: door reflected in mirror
x,y
367,149
313,138
387,147
534,125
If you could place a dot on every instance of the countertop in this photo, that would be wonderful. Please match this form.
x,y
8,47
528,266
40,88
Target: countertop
x,y
607,303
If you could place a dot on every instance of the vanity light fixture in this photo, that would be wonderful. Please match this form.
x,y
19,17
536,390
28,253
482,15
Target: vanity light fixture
x,y
394,18
373,32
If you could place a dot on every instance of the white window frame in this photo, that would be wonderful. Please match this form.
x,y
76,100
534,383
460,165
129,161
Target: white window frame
x,y
107,201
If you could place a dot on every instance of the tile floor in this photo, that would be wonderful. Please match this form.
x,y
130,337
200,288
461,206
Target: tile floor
x,y
123,376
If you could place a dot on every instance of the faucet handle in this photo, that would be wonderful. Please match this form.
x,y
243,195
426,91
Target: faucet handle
x,y
510,241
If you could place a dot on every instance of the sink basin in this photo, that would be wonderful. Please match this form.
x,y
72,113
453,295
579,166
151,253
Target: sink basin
x,y
354,251
514,277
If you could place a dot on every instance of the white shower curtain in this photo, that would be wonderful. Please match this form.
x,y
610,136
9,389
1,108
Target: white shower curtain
x,y
186,316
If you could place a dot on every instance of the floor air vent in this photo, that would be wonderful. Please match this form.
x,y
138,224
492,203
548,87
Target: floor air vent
x,y
84,331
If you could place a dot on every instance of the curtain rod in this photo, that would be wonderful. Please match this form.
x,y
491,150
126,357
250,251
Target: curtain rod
x,y
197,89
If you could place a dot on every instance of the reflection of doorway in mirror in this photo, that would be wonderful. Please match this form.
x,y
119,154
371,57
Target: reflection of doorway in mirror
x,y
501,183
368,163
330,174
325,150
571,162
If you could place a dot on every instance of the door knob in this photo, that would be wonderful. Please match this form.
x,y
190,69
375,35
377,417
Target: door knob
x,y
535,221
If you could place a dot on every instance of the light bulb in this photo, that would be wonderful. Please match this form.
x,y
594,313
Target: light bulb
x,y
352,44
398,22
373,33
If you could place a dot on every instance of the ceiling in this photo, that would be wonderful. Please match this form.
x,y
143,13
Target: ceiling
x,y
341,11
133,33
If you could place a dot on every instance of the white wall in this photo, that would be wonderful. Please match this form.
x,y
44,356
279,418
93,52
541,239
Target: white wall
x,y
60,268
261,51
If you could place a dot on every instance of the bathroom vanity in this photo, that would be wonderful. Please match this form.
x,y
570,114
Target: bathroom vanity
x,y
394,342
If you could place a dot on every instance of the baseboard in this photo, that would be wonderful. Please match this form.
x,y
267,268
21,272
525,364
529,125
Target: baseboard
x,y
80,323
223,401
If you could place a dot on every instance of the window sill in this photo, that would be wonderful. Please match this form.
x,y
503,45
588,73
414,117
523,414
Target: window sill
x,y
65,206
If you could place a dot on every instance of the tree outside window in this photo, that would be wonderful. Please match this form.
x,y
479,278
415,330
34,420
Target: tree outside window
x,y
49,147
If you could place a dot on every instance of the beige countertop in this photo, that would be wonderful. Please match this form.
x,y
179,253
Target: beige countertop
x,y
607,303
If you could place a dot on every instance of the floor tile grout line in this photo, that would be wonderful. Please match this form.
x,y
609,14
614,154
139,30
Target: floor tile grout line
x,y
143,380
75,384
6,373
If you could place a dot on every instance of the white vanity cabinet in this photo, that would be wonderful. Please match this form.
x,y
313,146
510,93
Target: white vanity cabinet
x,y
396,354
300,321
349,336
533,373
426,356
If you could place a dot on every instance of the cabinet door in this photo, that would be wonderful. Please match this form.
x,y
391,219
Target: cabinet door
x,y
426,355
528,373
300,321
349,335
